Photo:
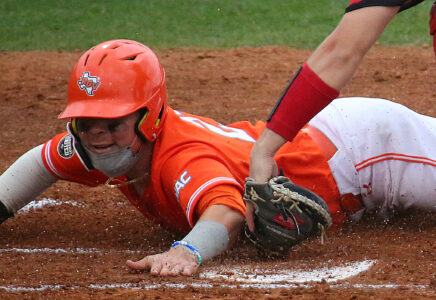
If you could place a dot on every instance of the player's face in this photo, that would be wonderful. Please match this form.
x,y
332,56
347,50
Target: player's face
x,y
102,136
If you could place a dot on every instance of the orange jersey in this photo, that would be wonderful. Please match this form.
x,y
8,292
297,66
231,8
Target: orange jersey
x,y
197,163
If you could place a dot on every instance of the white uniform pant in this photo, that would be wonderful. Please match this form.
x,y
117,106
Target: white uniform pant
x,y
386,153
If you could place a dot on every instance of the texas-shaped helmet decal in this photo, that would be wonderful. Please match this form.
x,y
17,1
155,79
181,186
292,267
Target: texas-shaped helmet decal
x,y
89,83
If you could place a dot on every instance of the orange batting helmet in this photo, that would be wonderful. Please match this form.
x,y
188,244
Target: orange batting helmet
x,y
116,78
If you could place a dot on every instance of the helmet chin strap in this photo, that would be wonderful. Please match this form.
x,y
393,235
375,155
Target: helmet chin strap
x,y
136,145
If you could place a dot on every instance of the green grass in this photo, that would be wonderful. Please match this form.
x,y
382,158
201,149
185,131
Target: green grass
x,y
79,24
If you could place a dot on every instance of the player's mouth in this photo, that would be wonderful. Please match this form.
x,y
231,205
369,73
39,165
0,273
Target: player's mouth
x,y
101,149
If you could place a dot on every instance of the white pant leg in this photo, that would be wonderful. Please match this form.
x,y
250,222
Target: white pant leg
x,y
385,150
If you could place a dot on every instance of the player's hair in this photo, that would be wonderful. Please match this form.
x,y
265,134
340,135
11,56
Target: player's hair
x,y
117,78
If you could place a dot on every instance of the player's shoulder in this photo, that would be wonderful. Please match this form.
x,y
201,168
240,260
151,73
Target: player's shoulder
x,y
61,146
182,126
188,119
60,158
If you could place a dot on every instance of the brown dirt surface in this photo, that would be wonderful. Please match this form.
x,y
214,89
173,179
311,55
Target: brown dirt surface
x,y
77,249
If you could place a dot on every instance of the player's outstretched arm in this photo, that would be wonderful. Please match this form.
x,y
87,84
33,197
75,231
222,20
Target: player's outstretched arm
x,y
22,182
185,256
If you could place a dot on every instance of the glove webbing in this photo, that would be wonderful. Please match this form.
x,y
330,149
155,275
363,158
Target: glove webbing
x,y
279,193
291,196
255,196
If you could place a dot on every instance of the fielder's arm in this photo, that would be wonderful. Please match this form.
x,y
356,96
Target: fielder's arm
x,y
328,69
339,55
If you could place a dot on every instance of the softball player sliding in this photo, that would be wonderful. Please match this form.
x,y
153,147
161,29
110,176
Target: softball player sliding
x,y
187,172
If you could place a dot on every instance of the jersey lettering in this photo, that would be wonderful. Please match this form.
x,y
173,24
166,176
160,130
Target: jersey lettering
x,y
223,130
181,183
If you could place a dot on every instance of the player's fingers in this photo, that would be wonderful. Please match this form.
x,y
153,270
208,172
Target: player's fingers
x,y
176,270
156,269
249,210
189,270
143,264
172,270
162,269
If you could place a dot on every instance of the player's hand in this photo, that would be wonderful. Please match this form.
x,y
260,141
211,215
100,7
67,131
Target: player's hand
x,y
174,262
262,164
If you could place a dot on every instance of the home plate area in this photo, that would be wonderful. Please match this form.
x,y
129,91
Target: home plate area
x,y
242,277
59,271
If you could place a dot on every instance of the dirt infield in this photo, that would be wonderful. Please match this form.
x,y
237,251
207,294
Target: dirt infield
x,y
73,242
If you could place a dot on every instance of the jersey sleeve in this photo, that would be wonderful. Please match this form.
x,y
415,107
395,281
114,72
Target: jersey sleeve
x,y
198,182
228,195
62,161
404,4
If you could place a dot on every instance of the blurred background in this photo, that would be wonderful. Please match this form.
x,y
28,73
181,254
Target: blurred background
x,y
66,25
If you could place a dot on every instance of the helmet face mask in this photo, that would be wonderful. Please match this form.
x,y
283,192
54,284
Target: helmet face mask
x,y
117,78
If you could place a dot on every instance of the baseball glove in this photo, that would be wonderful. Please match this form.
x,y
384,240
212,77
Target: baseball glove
x,y
284,214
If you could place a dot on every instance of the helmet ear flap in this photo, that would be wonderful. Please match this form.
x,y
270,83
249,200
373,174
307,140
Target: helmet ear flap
x,y
73,127
143,115
149,125
81,153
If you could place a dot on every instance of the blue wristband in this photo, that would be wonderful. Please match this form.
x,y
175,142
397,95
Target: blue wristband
x,y
190,247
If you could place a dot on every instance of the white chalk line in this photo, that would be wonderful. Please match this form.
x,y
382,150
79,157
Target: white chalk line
x,y
66,251
260,276
48,202
39,204
138,286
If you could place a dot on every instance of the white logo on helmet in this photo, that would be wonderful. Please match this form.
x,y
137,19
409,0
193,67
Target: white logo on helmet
x,y
89,83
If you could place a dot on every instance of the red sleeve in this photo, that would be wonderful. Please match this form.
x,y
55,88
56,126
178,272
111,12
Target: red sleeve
x,y
61,160
433,19
305,96
433,25
405,4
